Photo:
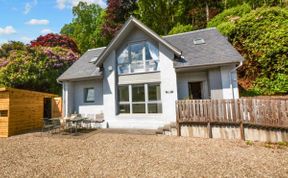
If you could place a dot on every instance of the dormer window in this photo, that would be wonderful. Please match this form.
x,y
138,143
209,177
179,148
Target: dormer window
x,y
138,57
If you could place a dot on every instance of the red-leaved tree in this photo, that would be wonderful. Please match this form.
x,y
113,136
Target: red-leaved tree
x,y
53,40
118,11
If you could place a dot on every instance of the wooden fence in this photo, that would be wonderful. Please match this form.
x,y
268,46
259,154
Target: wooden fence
x,y
272,113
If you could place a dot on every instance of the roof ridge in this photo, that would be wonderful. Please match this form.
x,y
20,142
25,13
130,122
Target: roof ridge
x,y
92,49
195,31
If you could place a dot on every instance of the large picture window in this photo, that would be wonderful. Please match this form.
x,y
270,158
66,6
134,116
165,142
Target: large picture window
x,y
140,99
138,57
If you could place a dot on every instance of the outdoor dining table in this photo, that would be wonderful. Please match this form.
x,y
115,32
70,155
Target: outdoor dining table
x,y
75,121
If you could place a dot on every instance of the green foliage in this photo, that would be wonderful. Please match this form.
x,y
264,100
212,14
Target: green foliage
x,y
180,29
225,21
249,142
11,45
159,15
262,35
86,26
36,68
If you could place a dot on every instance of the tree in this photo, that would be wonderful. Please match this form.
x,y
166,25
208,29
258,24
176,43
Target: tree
x,y
85,27
118,11
180,29
53,40
159,15
36,68
225,21
11,45
261,37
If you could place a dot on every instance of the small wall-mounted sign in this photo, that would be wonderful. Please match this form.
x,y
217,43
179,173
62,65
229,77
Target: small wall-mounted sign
x,y
169,92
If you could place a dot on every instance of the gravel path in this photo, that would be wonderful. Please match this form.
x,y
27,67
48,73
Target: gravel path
x,y
128,155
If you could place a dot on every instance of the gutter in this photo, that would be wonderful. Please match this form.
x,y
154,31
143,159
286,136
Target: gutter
x,y
231,80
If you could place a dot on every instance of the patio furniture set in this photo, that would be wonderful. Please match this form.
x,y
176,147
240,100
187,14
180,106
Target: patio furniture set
x,y
72,124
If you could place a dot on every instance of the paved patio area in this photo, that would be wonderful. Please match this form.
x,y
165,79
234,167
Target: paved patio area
x,y
105,154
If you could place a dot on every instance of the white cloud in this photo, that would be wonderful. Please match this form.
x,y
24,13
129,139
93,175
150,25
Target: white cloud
x,y
38,22
46,31
7,30
62,4
29,5
27,8
25,39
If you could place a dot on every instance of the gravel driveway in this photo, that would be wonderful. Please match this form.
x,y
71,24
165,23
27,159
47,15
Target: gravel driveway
x,y
127,155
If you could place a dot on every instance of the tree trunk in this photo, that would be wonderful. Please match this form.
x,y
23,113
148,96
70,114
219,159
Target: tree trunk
x,y
207,12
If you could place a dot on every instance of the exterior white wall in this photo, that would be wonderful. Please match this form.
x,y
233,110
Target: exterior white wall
x,y
215,83
139,78
229,82
183,78
109,87
88,108
68,98
168,84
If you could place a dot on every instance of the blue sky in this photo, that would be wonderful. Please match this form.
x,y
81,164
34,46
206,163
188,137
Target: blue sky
x,y
25,20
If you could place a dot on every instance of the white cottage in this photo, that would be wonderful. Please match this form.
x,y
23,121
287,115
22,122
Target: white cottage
x,y
137,78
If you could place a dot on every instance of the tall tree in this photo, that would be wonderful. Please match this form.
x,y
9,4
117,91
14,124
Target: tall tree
x,y
160,15
85,27
118,11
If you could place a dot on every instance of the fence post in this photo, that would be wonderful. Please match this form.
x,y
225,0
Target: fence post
x,y
177,119
242,134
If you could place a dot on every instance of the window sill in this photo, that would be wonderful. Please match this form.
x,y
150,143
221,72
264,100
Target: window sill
x,y
137,73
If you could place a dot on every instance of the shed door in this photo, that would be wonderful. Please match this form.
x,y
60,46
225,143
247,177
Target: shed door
x,y
47,108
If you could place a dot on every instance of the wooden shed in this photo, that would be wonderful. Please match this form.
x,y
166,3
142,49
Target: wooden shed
x,y
22,110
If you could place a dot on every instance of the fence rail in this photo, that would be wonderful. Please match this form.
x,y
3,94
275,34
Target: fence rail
x,y
258,112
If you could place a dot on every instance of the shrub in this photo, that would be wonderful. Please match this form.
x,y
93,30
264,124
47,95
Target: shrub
x,y
225,21
262,36
180,29
53,40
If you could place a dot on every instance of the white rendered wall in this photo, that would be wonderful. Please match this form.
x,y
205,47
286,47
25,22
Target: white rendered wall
x,y
88,108
183,78
229,82
168,84
109,87
68,98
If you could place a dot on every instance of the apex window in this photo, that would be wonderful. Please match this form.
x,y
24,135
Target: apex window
x,y
138,57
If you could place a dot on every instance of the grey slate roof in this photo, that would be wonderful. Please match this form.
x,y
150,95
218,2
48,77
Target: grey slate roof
x,y
83,68
216,50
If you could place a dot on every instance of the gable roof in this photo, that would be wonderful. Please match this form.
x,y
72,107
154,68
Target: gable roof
x,y
130,23
215,50
83,67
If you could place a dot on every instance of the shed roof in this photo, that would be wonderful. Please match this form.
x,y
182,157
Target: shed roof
x,y
8,89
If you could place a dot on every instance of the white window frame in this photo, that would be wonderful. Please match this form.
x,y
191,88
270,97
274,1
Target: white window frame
x,y
130,59
85,91
146,102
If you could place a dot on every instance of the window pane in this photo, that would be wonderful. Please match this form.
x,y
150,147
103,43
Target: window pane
x,y
89,95
124,56
124,108
136,52
138,93
154,92
152,52
137,66
124,93
138,108
123,68
155,108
